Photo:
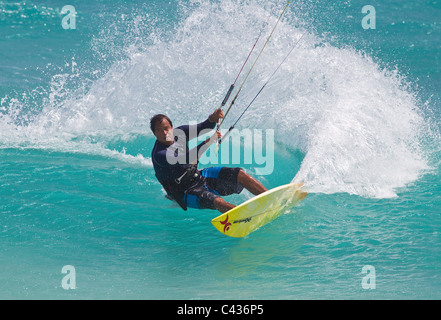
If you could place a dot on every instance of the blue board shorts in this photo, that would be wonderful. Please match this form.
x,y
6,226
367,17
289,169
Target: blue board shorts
x,y
216,182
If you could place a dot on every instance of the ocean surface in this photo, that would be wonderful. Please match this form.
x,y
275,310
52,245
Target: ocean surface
x,y
354,114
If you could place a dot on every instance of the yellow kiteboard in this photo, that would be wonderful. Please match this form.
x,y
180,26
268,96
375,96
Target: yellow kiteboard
x,y
258,211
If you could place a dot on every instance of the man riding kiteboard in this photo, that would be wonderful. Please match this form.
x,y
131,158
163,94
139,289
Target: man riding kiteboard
x,y
176,167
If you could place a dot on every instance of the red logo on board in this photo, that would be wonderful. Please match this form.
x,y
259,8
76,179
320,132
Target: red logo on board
x,y
226,224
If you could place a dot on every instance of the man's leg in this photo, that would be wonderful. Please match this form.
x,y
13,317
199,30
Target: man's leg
x,y
221,205
232,180
251,184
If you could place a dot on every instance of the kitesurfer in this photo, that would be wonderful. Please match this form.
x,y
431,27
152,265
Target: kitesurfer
x,y
176,167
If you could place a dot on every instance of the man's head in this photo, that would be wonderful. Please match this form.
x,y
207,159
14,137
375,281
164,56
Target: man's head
x,y
162,128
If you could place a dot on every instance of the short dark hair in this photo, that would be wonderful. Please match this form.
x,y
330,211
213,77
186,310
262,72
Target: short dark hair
x,y
158,119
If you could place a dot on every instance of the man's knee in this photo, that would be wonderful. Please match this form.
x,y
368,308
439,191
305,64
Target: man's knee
x,y
241,175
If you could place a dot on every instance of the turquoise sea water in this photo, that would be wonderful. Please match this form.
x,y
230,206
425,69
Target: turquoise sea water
x,y
355,113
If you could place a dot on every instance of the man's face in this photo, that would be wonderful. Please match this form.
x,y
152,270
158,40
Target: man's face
x,y
164,132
